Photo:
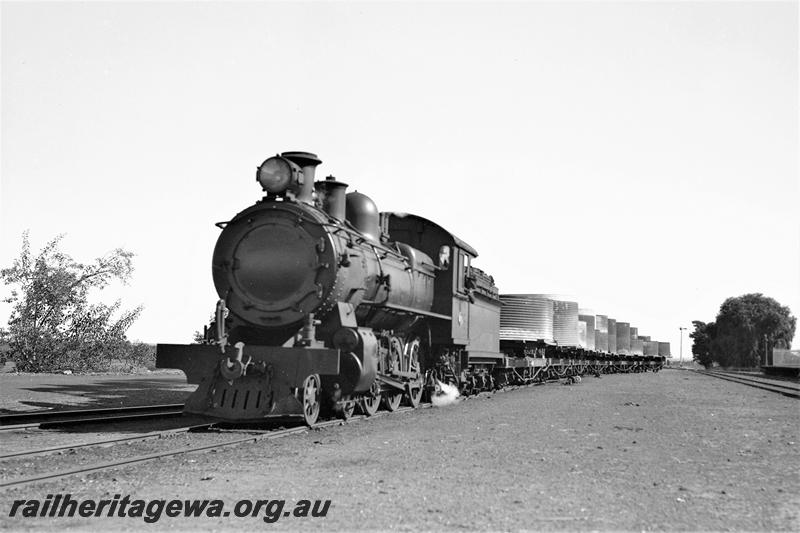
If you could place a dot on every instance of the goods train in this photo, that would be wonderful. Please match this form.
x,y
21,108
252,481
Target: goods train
x,y
327,305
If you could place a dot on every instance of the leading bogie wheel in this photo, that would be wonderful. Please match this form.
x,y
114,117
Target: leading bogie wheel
x,y
311,399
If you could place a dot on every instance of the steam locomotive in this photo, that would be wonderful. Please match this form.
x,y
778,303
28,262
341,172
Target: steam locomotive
x,y
327,305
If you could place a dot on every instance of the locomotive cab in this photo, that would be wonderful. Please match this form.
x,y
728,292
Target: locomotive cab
x,y
465,337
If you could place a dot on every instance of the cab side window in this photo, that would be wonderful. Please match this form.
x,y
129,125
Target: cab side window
x,y
462,271
459,257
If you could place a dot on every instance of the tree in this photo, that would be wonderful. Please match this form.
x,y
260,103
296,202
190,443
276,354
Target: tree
x,y
703,336
52,324
737,336
743,323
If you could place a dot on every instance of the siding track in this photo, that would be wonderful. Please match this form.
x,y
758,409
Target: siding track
x,y
786,388
258,436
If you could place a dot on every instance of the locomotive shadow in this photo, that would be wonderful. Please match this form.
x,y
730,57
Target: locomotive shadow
x,y
104,393
177,422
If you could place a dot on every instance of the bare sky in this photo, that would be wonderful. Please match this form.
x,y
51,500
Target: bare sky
x,y
641,156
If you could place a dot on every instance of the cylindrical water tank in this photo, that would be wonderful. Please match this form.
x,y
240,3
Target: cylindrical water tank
x,y
582,334
637,347
650,347
526,317
663,349
601,340
601,323
623,338
587,315
634,333
565,319
612,335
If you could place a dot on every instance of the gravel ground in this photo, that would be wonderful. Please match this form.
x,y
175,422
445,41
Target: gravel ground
x,y
667,451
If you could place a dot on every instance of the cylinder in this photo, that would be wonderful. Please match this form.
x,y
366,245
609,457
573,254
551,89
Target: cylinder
x,y
634,333
582,334
526,317
600,341
650,347
637,347
644,338
587,316
565,319
623,338
663,349
612,335
601,323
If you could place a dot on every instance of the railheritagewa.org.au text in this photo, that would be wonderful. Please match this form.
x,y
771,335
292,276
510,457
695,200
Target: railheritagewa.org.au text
x,y
151,511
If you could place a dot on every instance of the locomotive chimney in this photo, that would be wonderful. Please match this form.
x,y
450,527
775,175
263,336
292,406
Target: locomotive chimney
x,y
331,194
308,162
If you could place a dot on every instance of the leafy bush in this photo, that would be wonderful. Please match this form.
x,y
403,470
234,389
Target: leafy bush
x,y
53,326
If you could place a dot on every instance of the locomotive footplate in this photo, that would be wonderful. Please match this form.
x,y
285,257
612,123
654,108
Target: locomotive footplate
x,y
271,384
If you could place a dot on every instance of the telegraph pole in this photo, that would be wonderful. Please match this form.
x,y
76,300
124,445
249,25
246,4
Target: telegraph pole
x,y
681,345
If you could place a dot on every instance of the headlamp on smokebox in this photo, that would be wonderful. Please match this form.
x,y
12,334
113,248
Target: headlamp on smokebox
x,y
277,175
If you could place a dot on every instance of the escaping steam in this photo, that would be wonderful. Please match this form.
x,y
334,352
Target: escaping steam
x,y
445,394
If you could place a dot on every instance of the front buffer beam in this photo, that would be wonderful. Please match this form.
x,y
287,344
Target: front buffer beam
x,y
268,388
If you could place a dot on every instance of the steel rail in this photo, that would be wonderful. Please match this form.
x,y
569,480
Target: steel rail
x,y
266,435
134,438
759,374
791,392
788,384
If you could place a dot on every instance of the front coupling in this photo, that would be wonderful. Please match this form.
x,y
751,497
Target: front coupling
x,y
234,368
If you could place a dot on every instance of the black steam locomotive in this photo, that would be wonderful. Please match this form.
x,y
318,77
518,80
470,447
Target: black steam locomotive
x,y
326,305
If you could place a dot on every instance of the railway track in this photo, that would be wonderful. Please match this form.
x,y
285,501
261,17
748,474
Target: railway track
x,y
790,389
106,442
64,418
258,436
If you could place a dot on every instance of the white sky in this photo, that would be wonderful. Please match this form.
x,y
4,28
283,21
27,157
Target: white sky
x,y
640,156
